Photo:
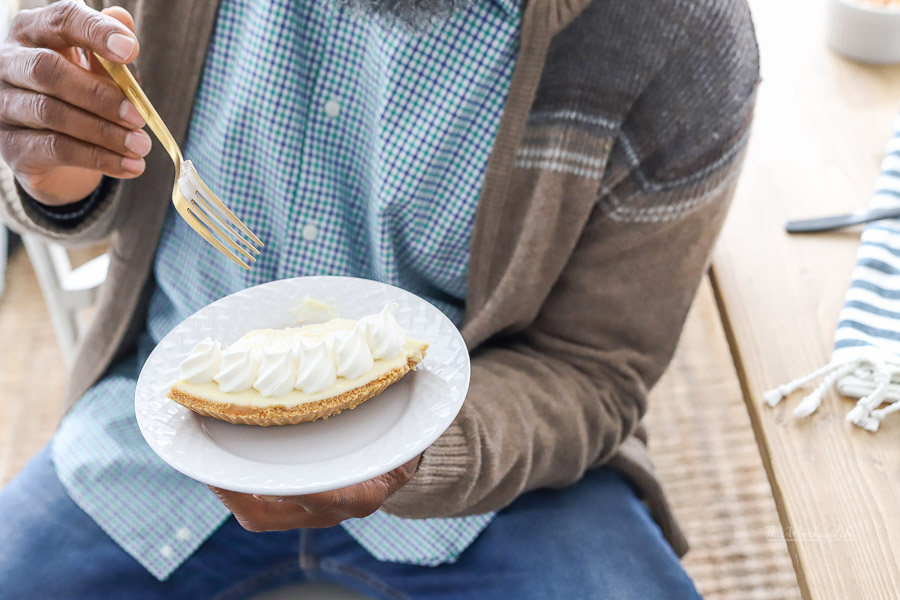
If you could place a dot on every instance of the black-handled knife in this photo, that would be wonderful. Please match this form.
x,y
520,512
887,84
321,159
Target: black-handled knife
x,y
839,221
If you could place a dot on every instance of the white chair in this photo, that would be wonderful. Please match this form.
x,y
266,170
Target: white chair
x,y
68,292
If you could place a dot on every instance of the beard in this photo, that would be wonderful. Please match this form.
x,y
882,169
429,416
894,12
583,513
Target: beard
x,y
416,16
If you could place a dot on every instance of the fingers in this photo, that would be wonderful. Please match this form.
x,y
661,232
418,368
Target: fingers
x,y
25,109
48,72
58,116
324,509
124,17
353,502
30,150
256,515
121,15
68,23
359,500
267,513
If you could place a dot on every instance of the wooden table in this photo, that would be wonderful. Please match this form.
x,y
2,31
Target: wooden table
x,y
821,126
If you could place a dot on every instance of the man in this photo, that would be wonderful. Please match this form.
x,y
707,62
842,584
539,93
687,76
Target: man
x,y
552,174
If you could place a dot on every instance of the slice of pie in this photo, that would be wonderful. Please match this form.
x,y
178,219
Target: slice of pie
x,y
298,374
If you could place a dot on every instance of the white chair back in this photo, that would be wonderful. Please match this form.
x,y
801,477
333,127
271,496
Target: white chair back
x,y
68,292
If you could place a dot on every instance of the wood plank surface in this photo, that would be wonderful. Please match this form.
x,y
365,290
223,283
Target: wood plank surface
x,y
32,373
821,126
706,456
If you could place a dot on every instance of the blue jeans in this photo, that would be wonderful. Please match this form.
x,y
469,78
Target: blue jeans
x,y
591,540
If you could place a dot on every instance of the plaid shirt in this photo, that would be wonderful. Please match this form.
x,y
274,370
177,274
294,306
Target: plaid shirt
x,y
350,148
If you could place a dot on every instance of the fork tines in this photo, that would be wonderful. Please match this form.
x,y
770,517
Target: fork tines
x,y
216,222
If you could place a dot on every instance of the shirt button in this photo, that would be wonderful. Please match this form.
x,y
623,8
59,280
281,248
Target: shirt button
x,y
332,108
310,232
166,551
183,534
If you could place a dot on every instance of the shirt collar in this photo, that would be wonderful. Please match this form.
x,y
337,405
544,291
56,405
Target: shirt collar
x,y
513,8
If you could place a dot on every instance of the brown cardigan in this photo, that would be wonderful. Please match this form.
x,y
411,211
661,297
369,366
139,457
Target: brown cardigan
x,y
611,174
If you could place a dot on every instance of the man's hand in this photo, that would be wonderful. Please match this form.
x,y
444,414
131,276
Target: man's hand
x,y
326,509
63,122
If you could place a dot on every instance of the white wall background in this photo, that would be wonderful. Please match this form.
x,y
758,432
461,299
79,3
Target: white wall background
x,y
6,10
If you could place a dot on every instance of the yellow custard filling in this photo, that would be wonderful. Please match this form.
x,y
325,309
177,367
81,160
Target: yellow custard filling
x,y
412,350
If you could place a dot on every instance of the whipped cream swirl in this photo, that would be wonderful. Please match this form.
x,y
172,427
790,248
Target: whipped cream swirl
x,y
276,373
202,363
351,353
317,370
308,359
238,370
382,332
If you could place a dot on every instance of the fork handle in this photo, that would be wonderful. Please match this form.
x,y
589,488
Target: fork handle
x,y
125,80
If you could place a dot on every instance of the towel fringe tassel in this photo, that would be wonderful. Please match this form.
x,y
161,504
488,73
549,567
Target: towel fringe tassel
x,y
811,402
865,414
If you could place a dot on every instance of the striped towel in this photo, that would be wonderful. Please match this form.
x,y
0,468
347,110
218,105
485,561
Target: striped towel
x,y
865,363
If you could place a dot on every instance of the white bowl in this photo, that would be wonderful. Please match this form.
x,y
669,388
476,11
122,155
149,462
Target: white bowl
x,y
863,31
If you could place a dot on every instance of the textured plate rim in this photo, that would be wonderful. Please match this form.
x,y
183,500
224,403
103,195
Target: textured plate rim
x,y
143,414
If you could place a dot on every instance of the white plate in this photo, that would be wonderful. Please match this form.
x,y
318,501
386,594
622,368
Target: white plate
x,y
354,446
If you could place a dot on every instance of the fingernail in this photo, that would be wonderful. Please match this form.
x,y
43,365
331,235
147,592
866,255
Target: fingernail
x,y
129,114
138,142
120,45
268,498
133,165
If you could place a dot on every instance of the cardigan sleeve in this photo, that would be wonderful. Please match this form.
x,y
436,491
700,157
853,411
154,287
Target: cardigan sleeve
x,y
548,404
93,222
562,394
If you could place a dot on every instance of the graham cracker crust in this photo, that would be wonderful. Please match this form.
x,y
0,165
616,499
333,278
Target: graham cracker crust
x,y
266,416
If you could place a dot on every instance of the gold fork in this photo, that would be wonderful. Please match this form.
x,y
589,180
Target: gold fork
x,y
193,199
